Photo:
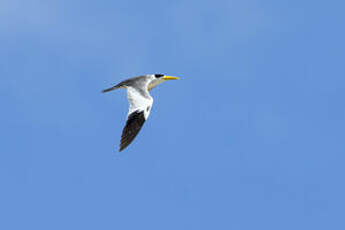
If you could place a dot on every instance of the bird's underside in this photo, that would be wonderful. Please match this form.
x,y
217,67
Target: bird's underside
x,y
140,103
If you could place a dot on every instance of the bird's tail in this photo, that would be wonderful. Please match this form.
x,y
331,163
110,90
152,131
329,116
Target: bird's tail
x,y
110,89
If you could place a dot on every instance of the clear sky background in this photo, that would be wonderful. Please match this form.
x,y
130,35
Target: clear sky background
x,y
251,137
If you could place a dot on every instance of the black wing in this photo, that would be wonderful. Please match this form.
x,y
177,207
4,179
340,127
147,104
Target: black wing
x,y
134,123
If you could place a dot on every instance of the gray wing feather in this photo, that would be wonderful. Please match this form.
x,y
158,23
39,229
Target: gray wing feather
x,y
136,82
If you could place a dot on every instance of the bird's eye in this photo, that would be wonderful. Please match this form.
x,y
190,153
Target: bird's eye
x,y
159,75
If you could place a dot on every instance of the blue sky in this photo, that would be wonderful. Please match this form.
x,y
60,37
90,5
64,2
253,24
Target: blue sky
x,y
251,137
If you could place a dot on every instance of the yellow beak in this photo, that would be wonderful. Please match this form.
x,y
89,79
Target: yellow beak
x,y
170,78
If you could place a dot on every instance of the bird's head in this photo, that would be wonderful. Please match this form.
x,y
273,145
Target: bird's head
x,y
157,79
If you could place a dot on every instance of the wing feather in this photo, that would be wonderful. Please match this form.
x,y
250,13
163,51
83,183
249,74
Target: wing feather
x,y
140,104
133,125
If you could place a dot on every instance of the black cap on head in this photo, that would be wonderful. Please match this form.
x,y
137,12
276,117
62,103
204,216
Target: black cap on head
x,y
159,75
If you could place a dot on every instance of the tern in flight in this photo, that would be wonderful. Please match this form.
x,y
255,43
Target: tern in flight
x,y
140,103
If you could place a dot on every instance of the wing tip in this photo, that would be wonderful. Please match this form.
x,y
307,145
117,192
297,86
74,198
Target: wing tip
x,y
107,90
124,144
110,89
121,148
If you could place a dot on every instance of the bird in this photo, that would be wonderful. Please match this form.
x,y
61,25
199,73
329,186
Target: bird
x,y
140,103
